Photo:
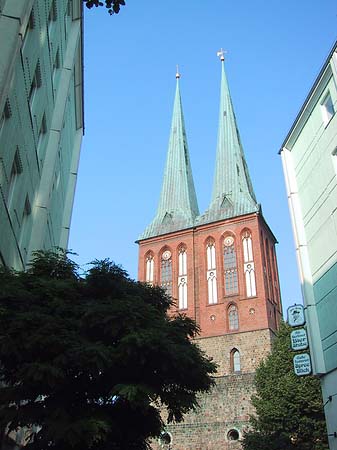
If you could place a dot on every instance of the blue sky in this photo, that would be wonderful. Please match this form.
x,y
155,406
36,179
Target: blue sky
x,y
275,50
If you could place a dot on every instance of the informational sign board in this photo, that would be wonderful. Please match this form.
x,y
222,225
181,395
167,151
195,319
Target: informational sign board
x,y
296,315
299,339
302,364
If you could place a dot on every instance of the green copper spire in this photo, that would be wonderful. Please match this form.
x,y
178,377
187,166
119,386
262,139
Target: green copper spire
x,y
233,193
178,206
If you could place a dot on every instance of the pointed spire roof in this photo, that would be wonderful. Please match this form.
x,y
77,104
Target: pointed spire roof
x,y
233,193
178,206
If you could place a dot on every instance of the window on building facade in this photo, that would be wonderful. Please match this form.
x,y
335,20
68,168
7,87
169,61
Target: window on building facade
x,y
67,18
233,318
270,280
149,264
211,273
230,267
56,62
235,360
248,264
14,175
36,83
182,278
165,438
41,138
328,109
233,435
52,12
25,226
166,271
30,26
6,114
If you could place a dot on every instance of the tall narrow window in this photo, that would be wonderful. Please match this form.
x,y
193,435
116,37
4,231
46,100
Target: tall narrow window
x,y
149,269
56,63
265,275
233,318
182,278
25,225
52,12
36,83
248,264
30,25
270,279
6,114
230,267
235,361
328,109
166,271
15,173
211,273
67,18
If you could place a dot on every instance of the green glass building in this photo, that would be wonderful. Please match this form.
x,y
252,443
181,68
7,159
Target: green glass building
x,y
41,124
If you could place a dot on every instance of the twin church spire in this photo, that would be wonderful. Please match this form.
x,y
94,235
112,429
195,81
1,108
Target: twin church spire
x,y
233,193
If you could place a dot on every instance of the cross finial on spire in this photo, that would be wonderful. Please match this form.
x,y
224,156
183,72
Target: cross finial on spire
x,y
221,54
177,72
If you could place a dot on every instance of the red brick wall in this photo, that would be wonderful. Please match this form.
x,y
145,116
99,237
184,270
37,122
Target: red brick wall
x,y
227,407
261,311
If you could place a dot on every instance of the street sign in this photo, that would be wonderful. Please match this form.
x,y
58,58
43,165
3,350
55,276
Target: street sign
x,y
299,339
296,315
302,364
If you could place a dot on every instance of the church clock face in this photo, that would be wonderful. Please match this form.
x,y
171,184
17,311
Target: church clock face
x,y
229,241
166,255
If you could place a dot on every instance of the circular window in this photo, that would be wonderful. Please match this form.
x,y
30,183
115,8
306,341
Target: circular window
x,y
233,435
165,438
166,255
229,241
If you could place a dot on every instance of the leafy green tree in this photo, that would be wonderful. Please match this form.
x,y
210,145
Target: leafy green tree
x,y
113,6
88,362
289,411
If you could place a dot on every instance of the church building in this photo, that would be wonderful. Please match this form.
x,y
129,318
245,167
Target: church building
x,y
220,268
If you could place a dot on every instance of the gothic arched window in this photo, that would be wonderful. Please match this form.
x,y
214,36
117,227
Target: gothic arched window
x,y
230,267
182,277
269,270
149,263
166,271
248,263
235,360
211,272
233,318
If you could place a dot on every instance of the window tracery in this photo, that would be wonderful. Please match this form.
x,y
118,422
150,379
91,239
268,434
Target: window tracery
x,y
233,318
149,277
166,271
235,360
230,267
182,277
248,264
211,272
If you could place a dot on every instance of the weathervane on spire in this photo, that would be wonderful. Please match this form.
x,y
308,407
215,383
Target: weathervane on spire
x,y
221,54
177,72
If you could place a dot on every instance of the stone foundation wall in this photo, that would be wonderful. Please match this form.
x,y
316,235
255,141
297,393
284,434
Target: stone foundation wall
x,y
227,408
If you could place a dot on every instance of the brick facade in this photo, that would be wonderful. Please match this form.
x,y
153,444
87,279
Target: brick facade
x,y
227,407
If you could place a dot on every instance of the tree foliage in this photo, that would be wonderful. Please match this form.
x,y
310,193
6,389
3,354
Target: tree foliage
x,y
289,411
113,6
88,362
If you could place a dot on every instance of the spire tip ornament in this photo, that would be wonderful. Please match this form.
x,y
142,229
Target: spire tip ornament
x,y
221,54
177,73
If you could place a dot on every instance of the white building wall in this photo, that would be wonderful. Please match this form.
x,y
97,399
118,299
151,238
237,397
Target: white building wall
x,y
309,160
